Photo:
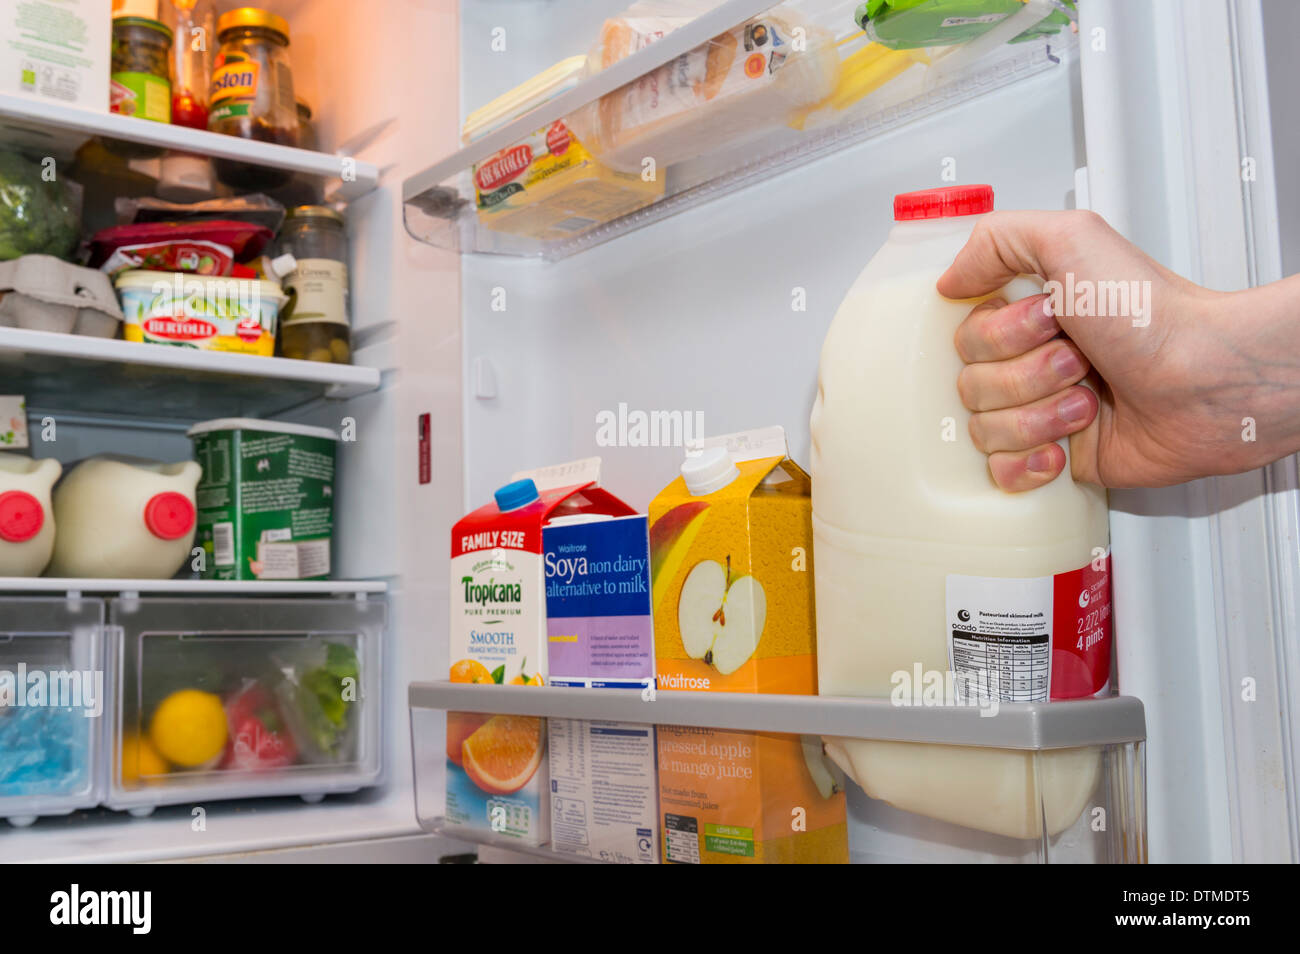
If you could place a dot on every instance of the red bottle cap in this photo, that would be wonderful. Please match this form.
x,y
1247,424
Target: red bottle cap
x,y
169,516
21,516
943,203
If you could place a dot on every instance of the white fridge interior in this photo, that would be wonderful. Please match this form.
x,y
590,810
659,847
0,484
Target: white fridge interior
x,y
718,312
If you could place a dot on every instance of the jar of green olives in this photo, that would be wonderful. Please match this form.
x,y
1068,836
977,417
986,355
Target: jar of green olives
x,y
314,322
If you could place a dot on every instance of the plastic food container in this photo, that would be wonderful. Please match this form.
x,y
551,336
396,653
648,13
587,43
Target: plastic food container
x,y
200,311
549,187
26,514
242,697
266,499
121,517
43,293
50,747
742,83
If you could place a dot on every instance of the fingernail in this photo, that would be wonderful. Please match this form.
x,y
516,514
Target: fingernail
x,y
1049,310
1066,363
1074,408
1040,462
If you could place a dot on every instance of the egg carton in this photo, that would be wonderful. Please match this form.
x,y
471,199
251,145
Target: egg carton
x,y
43,293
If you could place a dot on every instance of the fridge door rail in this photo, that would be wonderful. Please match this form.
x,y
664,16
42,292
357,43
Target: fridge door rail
x,y
1030,726
865,89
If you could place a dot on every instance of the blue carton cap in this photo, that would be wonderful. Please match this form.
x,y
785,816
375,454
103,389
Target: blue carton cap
x,y
516,494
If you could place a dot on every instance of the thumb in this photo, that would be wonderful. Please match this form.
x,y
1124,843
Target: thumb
x,y
1002,246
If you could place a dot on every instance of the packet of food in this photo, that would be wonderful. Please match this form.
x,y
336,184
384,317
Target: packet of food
x,y
742,83
255,209
200,258
242,240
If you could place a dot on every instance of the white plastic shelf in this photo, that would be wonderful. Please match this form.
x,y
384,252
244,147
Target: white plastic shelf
x,y
76,374
58,130
54,584
440,201
1030,726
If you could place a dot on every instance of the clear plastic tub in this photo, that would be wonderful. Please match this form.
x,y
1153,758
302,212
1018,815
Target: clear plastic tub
x,y
51,690
239,698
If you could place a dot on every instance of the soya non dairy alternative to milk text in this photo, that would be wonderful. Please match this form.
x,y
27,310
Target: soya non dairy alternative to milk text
x,y
922,560
599,635
730,550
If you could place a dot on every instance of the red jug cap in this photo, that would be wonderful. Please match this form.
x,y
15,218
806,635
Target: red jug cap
x,y
943,203
169,516
21,516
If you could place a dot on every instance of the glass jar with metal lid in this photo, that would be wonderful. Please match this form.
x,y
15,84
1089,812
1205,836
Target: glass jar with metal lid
x,y
139,79
252,92
314,323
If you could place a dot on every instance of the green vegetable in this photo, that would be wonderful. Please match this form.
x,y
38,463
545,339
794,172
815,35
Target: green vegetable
x,y
37,217
325,697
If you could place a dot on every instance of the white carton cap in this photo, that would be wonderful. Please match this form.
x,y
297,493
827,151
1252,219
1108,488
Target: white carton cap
x,y
710,470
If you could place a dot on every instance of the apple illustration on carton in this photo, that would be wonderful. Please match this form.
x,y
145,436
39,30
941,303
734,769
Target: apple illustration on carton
x,y
708,632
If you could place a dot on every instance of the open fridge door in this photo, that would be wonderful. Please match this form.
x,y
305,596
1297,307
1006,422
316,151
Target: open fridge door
x,y
1183,152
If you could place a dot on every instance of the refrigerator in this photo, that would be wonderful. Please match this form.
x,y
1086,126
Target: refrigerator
x,y
478,353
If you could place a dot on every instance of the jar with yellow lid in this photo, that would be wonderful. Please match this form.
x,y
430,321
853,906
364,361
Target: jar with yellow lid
x,y
314,323
252,92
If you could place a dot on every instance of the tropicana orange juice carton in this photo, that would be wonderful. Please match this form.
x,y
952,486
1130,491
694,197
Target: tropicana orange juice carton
x,y
497,778
731,588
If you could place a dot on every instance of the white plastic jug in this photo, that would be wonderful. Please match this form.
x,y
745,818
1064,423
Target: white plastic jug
x,y
924,566
120,517
26,516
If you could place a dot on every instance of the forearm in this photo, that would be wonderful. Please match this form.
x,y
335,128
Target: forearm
x,y
1255,361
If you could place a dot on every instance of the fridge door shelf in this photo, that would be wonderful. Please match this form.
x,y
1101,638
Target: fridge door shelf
x,y
845,90
1027,726
50,706
75,374
1032,782
42,128
242,698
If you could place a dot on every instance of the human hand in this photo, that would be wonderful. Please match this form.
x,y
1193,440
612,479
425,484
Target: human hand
x,y
1173,375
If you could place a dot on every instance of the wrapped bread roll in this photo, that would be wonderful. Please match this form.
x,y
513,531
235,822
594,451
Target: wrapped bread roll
x,y
742,83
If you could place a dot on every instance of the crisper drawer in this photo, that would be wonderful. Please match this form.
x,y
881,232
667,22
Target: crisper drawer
x,y
51,702
237,698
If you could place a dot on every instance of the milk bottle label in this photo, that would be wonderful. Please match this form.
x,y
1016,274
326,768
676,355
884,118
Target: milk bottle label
x,y
1030,639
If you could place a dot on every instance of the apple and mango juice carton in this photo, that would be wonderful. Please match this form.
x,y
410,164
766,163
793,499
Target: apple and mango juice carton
x,y
496,764
600,635
731,568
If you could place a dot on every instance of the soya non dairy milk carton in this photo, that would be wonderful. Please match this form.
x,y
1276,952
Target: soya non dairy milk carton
x,y
496,764
600,635
731,564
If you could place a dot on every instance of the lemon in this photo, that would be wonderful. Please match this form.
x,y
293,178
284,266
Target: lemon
x,y
189,728
140,758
